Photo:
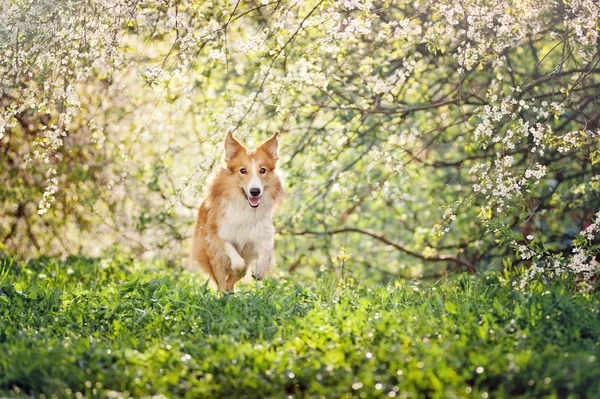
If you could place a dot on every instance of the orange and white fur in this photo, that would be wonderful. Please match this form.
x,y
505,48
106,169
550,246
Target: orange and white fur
x,y
234,229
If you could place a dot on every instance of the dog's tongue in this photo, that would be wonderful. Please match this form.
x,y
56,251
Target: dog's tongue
x,y
254,200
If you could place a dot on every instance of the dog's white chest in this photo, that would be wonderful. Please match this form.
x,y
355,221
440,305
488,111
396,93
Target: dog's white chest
x,y
242,225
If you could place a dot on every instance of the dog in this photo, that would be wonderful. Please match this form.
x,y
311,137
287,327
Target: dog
x,y
234,228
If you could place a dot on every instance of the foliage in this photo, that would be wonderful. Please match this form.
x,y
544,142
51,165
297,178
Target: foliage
x,y
114,328
456,133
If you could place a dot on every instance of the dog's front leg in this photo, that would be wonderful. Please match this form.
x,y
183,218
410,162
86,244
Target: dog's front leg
x,y
264,261
238,265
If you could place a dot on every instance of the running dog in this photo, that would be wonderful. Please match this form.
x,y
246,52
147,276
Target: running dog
x,y
234,229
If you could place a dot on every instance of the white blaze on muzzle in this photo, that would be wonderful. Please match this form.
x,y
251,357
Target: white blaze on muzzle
x,y
254,189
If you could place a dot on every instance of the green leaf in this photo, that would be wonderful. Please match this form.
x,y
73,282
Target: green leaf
x,y
451,307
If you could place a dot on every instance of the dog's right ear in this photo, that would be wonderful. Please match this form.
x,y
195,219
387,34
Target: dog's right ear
x,y
232,147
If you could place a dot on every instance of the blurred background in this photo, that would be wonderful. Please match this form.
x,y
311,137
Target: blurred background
x,y
418,138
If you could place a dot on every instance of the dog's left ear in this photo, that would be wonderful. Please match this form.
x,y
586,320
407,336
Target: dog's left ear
x,y
271,146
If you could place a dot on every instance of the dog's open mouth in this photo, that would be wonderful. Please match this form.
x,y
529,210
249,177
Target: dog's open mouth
x,y
253,201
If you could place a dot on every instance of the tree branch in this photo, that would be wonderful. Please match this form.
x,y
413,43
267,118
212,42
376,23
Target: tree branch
x,y
440,258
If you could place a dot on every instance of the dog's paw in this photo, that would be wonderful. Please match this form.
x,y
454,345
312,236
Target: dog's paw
x,y
238,266
259,275
240,273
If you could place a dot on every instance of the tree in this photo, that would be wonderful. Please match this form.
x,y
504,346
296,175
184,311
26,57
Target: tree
x,y
450,132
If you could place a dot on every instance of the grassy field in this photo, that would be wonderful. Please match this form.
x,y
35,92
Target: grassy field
x,y
112,328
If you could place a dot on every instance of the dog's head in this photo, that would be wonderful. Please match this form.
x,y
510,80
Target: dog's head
x,y
254,172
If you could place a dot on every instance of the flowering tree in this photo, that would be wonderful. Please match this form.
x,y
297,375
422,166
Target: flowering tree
x,y
460,134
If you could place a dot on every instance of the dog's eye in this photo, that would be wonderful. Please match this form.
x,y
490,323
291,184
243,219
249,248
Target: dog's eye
x,y
243,171
263,171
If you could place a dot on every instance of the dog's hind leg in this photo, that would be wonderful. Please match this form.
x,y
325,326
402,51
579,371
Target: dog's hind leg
x,y
221,278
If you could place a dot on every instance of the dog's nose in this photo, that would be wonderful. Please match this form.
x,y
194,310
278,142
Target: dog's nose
x,y
255,192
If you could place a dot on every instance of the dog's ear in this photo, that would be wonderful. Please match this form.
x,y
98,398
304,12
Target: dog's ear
x,y
232,147
270,146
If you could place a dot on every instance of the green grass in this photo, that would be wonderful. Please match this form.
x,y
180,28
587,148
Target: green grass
x,y
116,329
